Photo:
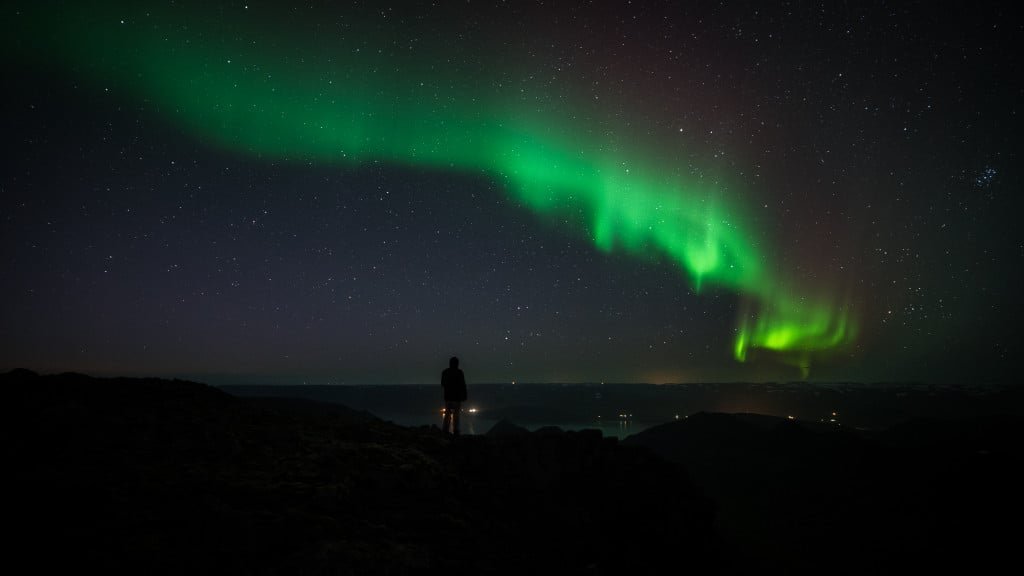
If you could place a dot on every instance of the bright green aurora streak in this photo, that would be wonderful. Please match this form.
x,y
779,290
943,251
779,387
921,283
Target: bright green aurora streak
x,y
290,101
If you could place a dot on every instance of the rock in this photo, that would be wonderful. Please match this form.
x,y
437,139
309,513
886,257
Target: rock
x,y
157,476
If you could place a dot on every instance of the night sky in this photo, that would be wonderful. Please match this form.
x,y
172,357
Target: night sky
x,y
286,192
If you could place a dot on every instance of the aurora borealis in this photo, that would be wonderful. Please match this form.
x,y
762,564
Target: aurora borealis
x,y
471,93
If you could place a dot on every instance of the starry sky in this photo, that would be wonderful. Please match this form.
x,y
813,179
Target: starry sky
x,y
288,192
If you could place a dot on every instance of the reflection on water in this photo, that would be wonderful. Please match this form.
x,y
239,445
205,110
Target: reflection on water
x,y
473,422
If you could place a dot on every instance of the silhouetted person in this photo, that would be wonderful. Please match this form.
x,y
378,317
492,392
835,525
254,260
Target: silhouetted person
x,y
454,383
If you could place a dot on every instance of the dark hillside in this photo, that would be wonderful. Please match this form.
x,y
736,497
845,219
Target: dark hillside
x,y
794,497
152,476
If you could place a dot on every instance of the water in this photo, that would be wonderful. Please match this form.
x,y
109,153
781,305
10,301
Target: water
x,y
474,423
623,409
615,410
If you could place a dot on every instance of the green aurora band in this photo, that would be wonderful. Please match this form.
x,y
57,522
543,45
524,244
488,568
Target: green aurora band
x,y
290,101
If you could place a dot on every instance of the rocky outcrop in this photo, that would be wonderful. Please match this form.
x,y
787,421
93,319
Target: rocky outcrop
x,y
155,476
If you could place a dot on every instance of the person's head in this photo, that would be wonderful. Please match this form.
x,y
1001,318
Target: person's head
x,y
453,363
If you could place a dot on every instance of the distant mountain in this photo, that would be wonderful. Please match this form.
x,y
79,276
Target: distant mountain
x,y
506,429
797,497
148,476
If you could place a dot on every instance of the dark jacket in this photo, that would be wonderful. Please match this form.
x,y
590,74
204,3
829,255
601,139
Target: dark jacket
x,y
454,383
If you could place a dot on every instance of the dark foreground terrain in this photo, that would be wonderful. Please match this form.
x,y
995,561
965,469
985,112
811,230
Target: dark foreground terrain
x,y
926,496
154,476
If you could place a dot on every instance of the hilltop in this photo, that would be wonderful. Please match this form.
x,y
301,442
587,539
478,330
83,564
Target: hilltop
x,y
158,476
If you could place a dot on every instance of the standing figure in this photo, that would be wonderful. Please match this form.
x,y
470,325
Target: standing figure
x,y
454,383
